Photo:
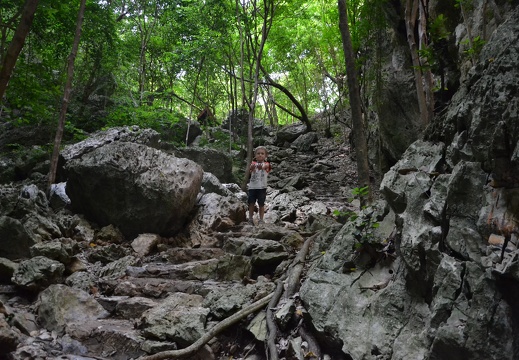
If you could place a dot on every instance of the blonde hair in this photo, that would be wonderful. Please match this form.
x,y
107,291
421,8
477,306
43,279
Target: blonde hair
x,y
261,148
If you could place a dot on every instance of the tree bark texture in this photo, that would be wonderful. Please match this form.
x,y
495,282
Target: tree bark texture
x,y
359,132
16,45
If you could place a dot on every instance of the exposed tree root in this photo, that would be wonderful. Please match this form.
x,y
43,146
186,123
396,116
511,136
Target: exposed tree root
x,y
271,323
293,282
222,325
297,267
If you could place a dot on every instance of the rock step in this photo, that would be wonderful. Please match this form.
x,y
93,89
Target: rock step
x,y
156,287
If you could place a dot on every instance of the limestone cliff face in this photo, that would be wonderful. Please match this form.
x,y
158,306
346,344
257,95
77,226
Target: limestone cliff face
x,y
451,290
392,108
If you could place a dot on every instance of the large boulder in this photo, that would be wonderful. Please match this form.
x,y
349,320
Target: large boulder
x,y
218,213
213,161
132,134
289,133
180,318
37,273
134,187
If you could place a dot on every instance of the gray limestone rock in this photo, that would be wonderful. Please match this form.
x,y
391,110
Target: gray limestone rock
x,y
64,309
16,242
134,187
180,318
212,161
38,273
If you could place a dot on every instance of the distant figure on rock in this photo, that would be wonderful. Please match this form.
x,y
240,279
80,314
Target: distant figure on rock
x,y
259,169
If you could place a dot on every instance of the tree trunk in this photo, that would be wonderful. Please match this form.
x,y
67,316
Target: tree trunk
x,y
425,70
66,96
16,44
411,13
272,105
194,98
268,13
244,92
359,135
145,32
304,116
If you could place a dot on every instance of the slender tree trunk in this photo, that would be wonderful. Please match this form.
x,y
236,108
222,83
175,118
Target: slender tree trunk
x,y
142,71
425,70
359,134
411,13
272,105
268,13
145,32
243,90
194,98
66,96
16,44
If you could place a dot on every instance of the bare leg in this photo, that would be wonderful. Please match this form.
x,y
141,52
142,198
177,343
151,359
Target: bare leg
x,y
261,212
251,211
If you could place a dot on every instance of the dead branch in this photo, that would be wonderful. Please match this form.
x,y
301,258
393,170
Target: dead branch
x,y
297,267
218,328
271,323
294,275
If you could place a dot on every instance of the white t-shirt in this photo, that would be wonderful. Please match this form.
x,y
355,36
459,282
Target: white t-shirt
x,y
258,177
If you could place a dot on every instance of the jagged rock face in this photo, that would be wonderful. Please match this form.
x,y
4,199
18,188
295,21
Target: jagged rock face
x,y
481,123
103,137
26,220
450,293
134,187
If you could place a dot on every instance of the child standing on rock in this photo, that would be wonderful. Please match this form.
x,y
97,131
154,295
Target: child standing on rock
x,y
259,169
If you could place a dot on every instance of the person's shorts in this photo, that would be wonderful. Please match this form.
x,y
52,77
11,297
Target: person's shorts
x,y
258,195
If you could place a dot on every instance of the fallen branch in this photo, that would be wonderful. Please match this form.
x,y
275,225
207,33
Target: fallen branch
x,y
222,325
297,268
271,323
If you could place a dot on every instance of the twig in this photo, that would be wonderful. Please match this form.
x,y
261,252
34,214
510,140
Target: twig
x,y
222,325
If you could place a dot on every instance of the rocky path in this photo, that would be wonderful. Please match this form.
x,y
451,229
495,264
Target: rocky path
x,y
125,300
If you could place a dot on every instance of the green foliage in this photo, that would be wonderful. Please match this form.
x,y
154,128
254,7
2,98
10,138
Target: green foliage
x,y
477,46
360,192
144,116
73,133
364,219
438,28
219,139
151,62
24,154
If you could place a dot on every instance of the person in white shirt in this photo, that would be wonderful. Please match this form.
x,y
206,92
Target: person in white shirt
x,y
259,169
